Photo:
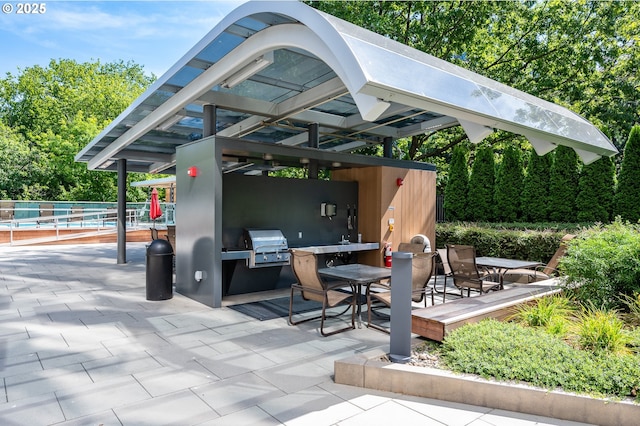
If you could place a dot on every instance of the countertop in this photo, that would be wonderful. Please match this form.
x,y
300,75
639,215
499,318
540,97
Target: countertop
x,y
325,249
340,248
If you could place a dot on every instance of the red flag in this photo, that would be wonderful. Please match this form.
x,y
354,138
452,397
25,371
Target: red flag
x,y
155,211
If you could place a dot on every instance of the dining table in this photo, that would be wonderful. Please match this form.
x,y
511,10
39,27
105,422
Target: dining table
x,y
500,265
357,274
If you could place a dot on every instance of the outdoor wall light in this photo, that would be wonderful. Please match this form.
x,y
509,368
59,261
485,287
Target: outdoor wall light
x,y
192,171
336,164
304,160
267,157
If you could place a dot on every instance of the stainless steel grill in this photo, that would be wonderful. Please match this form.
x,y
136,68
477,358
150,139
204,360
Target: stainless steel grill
x,y
267,247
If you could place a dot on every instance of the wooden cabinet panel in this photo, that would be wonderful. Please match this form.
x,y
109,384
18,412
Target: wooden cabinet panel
x,y
412,205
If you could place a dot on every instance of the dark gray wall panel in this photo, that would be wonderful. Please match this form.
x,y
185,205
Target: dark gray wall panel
x,y
291,205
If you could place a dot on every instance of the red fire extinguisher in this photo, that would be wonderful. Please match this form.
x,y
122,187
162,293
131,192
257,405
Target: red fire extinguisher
x,y
387,254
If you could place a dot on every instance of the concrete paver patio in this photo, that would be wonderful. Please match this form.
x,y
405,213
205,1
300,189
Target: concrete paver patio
x,y
80,345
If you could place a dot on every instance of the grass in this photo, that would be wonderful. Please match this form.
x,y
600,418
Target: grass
x,y
553,313
598,330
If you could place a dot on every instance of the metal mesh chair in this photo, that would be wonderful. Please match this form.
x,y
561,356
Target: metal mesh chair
x,y
305,268
446,273
465,273
6,210
45,214
541,273
422,266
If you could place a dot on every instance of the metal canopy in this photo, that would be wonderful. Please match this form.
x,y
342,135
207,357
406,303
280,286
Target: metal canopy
x,y
273,68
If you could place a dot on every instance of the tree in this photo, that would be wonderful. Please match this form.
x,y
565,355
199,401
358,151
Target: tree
x,y
56,111
481,185
563,185
17,166
455,195
627,197
595,191
535,193
508,187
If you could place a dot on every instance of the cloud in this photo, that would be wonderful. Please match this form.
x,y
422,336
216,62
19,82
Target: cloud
x,y
136,19
108,30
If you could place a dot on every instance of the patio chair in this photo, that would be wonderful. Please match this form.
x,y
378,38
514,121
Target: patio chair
x,y
412,247
446,272
76,210
45,211
544,272
112,213
465,273
305,268
6,210
422,266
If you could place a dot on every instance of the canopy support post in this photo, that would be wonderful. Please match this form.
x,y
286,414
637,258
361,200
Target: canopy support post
x,y
314,142
387,147
209,127
122,211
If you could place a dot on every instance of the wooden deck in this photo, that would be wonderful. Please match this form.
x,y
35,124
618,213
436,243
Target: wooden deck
x,y
434,322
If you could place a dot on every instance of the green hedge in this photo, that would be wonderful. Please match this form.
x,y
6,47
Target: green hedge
x,y
509,352
526,244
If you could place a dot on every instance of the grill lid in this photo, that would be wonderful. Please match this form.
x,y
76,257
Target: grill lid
x,y
268,248
265,240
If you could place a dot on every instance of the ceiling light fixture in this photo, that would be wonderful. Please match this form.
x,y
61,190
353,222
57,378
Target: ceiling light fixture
x,y
244,73
236,167
170,122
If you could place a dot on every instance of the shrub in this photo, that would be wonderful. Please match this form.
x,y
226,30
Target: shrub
x,y
635,340
596,188
632,303
627,197
535,195
481,185
455,193
509,183
563,185
602,264
491,241
510,352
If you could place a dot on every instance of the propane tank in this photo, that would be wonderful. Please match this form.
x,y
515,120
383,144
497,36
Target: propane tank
x,y
387,255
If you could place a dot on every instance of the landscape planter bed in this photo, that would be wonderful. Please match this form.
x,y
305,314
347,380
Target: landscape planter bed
x,y
368,370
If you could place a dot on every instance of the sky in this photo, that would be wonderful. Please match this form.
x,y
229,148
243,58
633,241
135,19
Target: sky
x,y
153,33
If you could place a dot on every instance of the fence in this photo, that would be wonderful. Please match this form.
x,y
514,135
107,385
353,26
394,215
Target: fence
x,y
33,210
10,209
440,208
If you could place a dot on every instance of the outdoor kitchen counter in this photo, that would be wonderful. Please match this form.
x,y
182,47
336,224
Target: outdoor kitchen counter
x,y
335,248
340,248
236,254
